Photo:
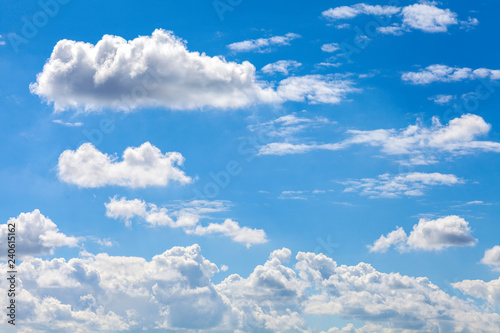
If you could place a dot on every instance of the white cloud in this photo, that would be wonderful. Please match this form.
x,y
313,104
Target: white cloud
x,y
442,99
147,71
315,89
67,124
141,167
443,73
232,229
281,66
428,235
35,235
489,291
428,18
348,12
393,29
263,44
159,71
186,216
406,184
174,291
332,47
417,143
492,257
424,16
397,237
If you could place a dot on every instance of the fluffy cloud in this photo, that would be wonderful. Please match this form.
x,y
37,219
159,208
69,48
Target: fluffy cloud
x,y
424,16
443,73
281,66
332,47
489,291
159,71
417,143
406,184
423,145
428,18
187,217
36,235
262,44
428,235
155,70
174,291
492,257
397,237
141,167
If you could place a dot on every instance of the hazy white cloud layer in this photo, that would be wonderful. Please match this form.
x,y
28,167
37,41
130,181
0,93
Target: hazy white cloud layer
x,y
417,144
405,184
263,44
443,73
174,291
428,235
186,216
159,71
140,167
35,235
424,16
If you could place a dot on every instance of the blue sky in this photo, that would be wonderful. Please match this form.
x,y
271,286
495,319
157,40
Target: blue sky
x,y
327,134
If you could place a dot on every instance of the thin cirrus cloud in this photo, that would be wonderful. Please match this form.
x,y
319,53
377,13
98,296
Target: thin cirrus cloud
x,y
423,16
159,71
411,184
140,167
428,235
281,66
187,217
263,44
443,73
36,235
174,290
416,144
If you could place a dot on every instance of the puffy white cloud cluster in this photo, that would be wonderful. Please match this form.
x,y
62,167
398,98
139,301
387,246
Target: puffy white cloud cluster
x,y
405,184
492,257
147,71
35,235
419,144
428,235
423,16
186,217
141,167
443,73
263,44
159,71
174,291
